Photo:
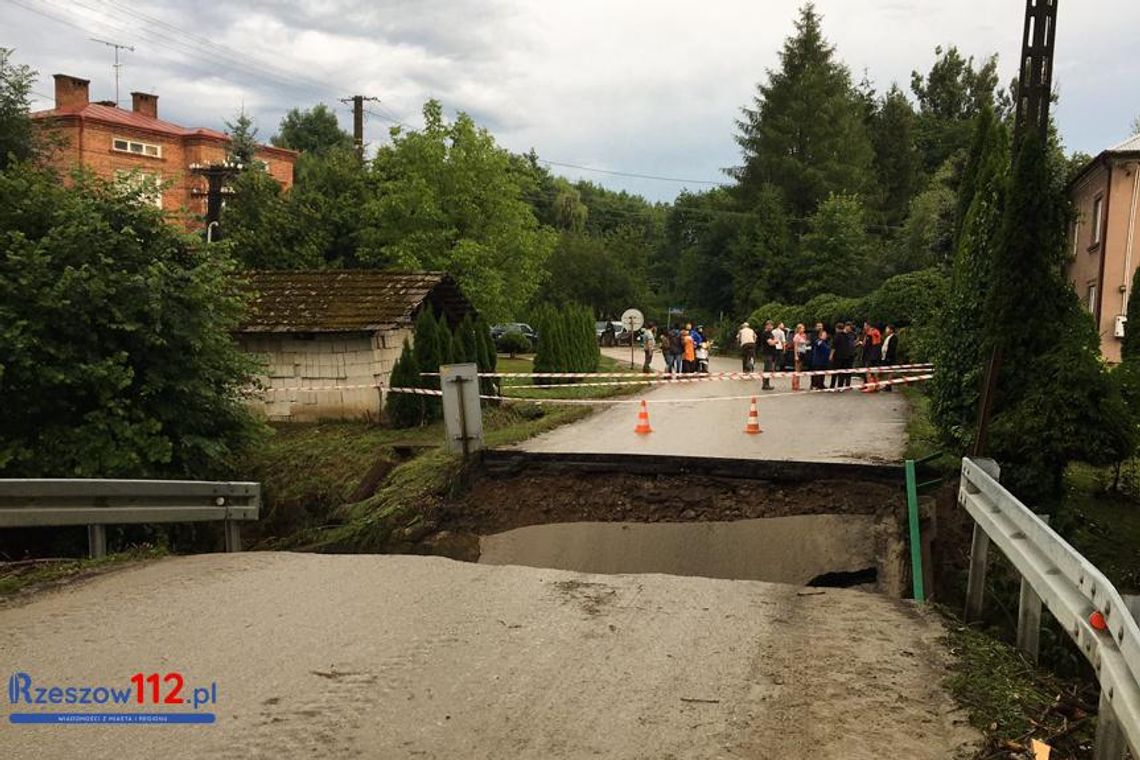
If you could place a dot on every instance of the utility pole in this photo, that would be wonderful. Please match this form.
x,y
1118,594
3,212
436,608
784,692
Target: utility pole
x,y
216,176
117,65
1034,95
358,121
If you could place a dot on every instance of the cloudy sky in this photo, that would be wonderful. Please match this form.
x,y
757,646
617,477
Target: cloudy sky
x,y
647,88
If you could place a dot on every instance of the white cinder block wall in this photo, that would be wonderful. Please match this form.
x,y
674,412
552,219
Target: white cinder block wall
x,y
326,376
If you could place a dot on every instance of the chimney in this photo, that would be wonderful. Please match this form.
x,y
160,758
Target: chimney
x,y
145,103
70,92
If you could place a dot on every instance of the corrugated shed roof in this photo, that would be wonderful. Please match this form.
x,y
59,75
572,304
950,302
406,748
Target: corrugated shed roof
x,y
1131,145
114,115
346,300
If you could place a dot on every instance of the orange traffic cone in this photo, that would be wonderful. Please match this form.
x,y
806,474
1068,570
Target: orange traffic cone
x,y
871,384
753,426
643,420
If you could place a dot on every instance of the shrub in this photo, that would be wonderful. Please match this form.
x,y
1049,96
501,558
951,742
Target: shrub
x,y
117,355
515,343
908,299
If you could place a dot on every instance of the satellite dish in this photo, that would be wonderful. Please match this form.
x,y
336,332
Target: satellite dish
x,y
632,319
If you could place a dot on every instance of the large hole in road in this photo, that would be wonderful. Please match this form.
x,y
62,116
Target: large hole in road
x,y
808,525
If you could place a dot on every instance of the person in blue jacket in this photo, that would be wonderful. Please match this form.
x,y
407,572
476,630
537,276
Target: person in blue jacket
x,y
820,357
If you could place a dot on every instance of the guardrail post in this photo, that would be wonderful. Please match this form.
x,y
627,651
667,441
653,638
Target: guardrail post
x,y
97,541
979,551
1109,743
1029,617
233,535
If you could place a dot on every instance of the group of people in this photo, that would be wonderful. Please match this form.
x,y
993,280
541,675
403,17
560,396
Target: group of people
x,y
843,349
684,348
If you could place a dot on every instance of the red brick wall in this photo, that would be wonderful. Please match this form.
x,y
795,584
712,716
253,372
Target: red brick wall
x,y
90,143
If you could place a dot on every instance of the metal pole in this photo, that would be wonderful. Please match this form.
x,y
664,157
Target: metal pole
x,y
1109,743
97,541
1029,617
915,533
462,416
631,342
979,552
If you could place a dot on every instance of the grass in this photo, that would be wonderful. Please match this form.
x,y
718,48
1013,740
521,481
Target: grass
x,y
922,439
18,578
400,510
1105,523
519,387
1011,701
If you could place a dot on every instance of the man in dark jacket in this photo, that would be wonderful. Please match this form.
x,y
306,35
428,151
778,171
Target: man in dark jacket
x,y
768,351
839,353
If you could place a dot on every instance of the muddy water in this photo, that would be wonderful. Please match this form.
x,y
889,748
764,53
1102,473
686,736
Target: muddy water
x,y
776,549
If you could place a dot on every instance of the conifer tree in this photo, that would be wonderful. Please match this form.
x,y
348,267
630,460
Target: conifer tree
x,y
447,346
1055,402
405,410
465,342
806,132
426,345
958,354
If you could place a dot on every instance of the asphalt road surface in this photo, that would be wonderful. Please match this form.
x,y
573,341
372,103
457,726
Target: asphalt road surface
x,y
810,427
421,657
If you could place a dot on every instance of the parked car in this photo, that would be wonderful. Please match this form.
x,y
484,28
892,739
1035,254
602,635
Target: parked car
x,y
498,331
611,333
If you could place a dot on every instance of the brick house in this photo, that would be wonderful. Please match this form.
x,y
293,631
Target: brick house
x,y
117,144
330,338
1105,241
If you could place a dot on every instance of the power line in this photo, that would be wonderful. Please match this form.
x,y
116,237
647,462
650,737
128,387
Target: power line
x,y
632,174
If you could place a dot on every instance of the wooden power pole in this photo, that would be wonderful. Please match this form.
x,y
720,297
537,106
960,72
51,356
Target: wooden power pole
x,y
1034,95
358,121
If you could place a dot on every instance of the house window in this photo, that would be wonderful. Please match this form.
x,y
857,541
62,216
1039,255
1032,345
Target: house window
x,y
1092,298
148,186
1097,216
124,145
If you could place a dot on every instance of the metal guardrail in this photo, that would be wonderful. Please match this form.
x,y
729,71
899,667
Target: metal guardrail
x,y
1071,588
99,503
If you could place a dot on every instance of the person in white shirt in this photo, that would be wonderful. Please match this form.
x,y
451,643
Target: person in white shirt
x,y
747,340
781,336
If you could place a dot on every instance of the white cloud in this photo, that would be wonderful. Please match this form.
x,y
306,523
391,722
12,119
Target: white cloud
x,y
645,87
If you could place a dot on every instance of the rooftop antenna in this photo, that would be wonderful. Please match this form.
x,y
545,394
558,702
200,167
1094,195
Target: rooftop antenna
x,y
118,65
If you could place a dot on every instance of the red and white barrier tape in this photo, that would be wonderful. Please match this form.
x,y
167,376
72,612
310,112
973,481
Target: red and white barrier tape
x,y
683,380
693,377
595,402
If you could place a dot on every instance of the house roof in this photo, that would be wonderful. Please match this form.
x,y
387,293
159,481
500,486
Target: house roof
x,y
106,114
1131,145
1130,148
346,300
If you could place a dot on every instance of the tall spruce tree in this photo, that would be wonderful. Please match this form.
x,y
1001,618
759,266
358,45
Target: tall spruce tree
x,y
1055,402
898,163
806,132
958,353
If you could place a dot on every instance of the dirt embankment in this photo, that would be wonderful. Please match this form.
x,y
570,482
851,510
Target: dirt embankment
x,y
496,504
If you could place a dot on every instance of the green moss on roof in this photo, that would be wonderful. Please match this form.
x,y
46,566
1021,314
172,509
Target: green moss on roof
x,y
346,300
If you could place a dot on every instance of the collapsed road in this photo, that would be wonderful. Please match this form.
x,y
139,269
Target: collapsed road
x,y
425,657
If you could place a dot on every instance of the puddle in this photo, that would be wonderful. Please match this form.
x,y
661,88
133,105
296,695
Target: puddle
x,y
796,550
